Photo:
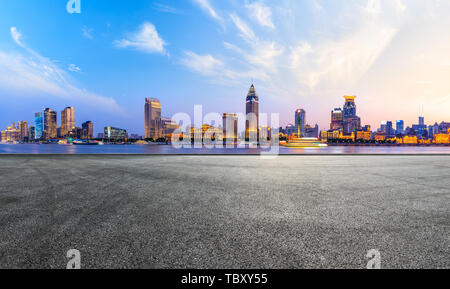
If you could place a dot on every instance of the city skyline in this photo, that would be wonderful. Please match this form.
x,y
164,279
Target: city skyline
x,y
299,53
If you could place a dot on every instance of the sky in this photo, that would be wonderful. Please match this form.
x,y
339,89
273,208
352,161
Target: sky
x,y
393,54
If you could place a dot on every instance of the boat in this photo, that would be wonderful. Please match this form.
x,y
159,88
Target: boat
x,y
304,143
87,143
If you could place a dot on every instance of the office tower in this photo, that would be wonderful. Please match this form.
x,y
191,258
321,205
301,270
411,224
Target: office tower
x,y
115,134
88,126
50,123
400,127
312,131
169,127
300,122
252,114
31,133
420,128
38,125
23,127
352,122
67,121
290,129
153,121
230,127
337,119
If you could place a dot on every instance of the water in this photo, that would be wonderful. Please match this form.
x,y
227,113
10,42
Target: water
x,y
167,149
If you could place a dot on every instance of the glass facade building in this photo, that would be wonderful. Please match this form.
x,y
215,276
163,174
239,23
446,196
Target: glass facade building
x,y
115,134
38,125
252,114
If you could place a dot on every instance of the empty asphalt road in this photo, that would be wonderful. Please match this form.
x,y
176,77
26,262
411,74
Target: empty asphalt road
x,y
224,211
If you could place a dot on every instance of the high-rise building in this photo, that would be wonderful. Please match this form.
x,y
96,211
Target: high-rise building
x,y
88,126
252,114
115,134
420,128
23,127
50,123
38,125
230,127
32,131
153,121
400,127
300,122
67,120
352,122
337,119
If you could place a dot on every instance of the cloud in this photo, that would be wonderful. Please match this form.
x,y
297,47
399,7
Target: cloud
x,y
206,6
16,36
32,73
261,13
146,39
74,68
86,32
203,64
166,8
246,32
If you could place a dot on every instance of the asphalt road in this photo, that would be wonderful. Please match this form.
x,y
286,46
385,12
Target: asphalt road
x,y
224,211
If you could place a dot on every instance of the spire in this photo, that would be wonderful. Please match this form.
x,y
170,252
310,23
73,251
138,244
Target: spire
x,y
252,95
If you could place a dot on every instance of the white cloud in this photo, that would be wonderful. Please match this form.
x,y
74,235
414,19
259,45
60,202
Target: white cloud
x,y
16,36
34,74
245,31
74,68
86,32
146,39
206,6
203,64
166,8
261,13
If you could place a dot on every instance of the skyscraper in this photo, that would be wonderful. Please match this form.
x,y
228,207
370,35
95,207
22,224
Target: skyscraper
x,y
153,121
50,123
230,127
38,125
23,127
252,114
88,127
352,122
400,127
67,121
300,122
337,119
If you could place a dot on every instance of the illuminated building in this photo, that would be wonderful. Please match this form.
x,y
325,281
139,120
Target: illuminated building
x,y
351,121
408,139
379,136
153,121
11,134
300,122
38,125
67,121
169,127
442,138
337,119
50,123
386,127
311,131
252,114
31,132
115,134
420,128
230,127
290,129
23,128
264,132
364,134
400,127
88,126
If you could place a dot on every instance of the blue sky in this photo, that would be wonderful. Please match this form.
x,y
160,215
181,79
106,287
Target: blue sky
x,y
306,54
